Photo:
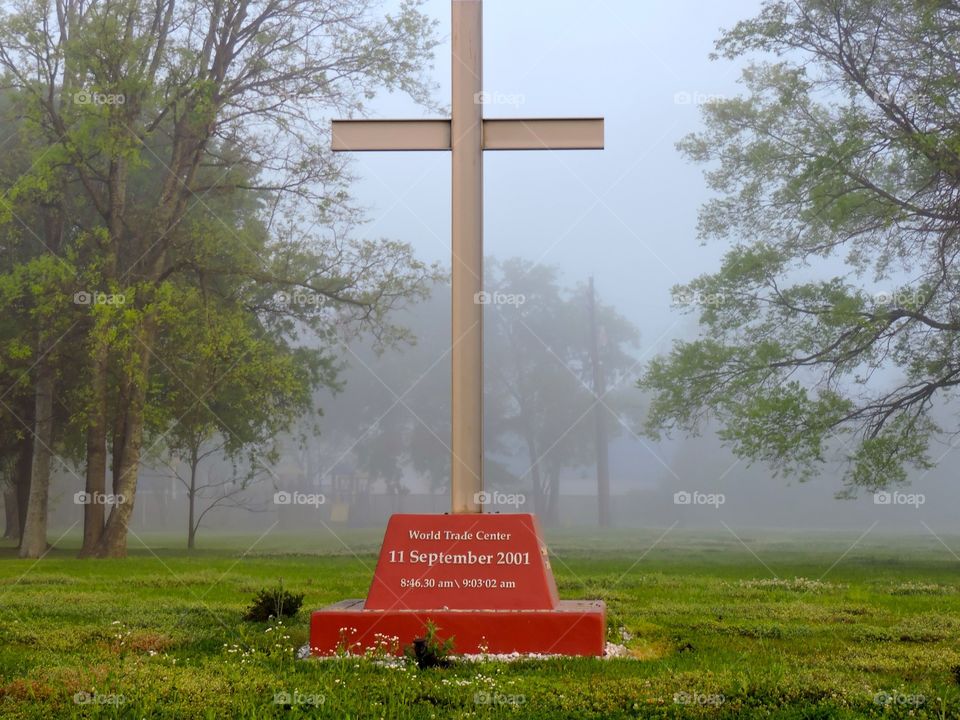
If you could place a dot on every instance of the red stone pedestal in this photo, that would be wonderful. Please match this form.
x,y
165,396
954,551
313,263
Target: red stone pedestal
x,y
484,580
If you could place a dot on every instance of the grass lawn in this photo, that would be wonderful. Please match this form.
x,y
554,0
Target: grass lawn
x,y
764,625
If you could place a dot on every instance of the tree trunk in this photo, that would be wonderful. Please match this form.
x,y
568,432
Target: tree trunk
x,y
113,541
21,476
11,510
34,542
191,498
119,433
96,480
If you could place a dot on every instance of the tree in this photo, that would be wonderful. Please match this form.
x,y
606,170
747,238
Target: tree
x,y
213,101
16,446
35,296
540,374
35,288
393,419
229,390
844,153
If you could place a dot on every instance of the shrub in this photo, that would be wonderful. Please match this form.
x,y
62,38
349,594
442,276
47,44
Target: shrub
x,y
273,602
429,650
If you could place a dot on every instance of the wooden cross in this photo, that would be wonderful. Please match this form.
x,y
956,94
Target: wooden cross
x,y
467,134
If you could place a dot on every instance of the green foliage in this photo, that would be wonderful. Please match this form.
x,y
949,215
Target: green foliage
x,y
841,153
273,602
176,173
430,650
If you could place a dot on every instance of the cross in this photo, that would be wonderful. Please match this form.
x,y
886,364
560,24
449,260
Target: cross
x,y
467,134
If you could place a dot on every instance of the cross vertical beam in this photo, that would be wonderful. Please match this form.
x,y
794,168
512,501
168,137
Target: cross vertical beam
x,y
466,135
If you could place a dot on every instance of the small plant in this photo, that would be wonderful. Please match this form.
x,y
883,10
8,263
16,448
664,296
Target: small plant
x,y
430,651
384,648
273,602
347,644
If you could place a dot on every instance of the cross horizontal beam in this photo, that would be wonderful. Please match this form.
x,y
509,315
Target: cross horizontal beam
x,y
543,134
502,134
371,135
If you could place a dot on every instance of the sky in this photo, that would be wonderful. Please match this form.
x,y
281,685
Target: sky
x,y
626,214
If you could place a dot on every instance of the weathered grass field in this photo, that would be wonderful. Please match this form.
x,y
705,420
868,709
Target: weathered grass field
x,y
786,626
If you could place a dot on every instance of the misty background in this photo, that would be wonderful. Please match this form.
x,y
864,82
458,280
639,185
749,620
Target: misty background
x,y
625,216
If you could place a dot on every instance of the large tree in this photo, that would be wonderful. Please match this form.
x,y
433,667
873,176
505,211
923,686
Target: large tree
x,y
211,101
830,330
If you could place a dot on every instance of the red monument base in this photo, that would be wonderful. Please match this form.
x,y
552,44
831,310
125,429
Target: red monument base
x,y
483,580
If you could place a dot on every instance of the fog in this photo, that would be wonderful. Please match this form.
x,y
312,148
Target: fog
x,y
625,216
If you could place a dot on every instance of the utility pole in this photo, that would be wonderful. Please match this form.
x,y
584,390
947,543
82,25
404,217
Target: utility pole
x,y
598,340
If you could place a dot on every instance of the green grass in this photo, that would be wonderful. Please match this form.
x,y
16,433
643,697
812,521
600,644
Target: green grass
x,y
722,624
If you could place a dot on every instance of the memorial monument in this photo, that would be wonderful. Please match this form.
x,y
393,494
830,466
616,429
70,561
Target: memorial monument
x,y
483,579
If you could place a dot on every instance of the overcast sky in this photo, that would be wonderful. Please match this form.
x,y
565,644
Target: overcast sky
x,y
626,214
